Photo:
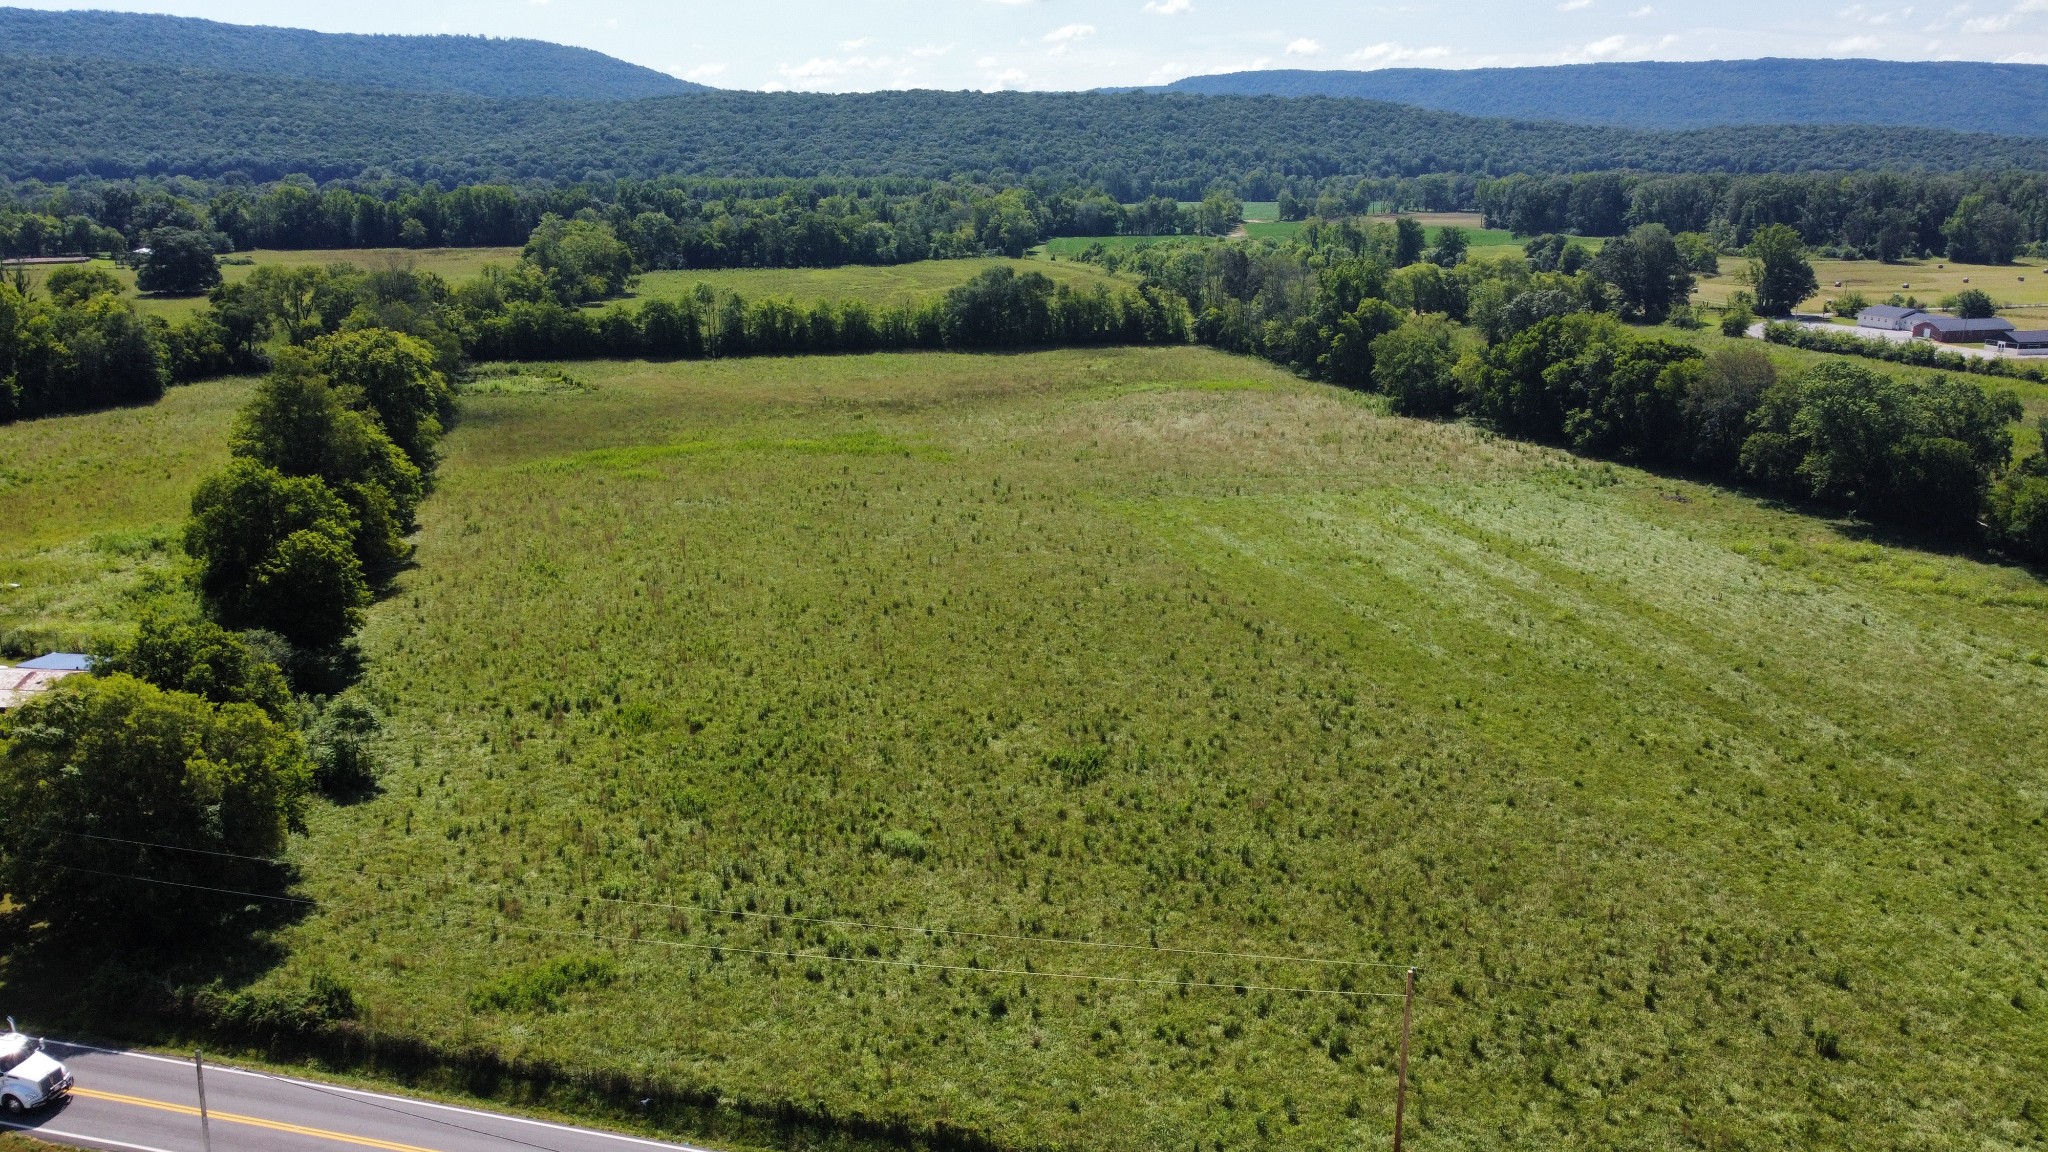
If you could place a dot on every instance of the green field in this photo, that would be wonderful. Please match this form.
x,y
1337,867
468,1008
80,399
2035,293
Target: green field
x,y
880,285
90,508
2020,287
1711,821
451,263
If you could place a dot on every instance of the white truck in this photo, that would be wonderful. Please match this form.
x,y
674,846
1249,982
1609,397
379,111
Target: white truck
x,y
28,1078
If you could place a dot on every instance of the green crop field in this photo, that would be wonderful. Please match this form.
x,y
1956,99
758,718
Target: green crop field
x,y
90,509
1711,822
879,284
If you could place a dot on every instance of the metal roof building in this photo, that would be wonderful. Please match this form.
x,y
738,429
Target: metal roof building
x,y
1956,330
1888,317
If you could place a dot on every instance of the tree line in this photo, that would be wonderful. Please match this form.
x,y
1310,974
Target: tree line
x,y
669,223
1978,217
179,767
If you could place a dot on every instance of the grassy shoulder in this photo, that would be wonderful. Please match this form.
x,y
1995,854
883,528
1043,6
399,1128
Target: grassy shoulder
x,y
1163,646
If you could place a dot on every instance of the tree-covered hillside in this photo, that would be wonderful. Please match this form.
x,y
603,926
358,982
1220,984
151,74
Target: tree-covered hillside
x,y
472,64
80,116
1966,96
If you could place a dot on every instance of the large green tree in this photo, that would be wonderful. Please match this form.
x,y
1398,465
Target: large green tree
x,y
1415,366
392,375
181,262
277,552
1778,270
105,777
582,259
1983,231
1649,273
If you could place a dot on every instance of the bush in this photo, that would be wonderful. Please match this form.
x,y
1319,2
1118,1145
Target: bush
x,y
1414,366
189,654
2018,516
340,741
98,766
540,989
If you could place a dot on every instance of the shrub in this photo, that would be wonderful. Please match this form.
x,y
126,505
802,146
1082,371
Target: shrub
x,y
541,988
1415,367
195,655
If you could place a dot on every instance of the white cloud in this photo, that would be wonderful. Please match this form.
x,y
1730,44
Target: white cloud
x,y
1608,47
1066,37
1167,7
1575,5
929,50
1304,47
1384,55
1855,44
855,45
1007,78
701,74
1639,13
987,62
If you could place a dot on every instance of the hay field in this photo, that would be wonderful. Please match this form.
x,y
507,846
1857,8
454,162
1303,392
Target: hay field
x,y
1713,822
878,284
2022,288
90,510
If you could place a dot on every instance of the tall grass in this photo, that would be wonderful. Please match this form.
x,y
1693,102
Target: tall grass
x,y
1711,822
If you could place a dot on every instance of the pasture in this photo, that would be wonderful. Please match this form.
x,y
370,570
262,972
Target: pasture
x,y
878,284
1068,749
90,510
2023,288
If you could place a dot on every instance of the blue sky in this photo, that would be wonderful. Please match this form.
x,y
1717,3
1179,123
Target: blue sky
x,y
1065,44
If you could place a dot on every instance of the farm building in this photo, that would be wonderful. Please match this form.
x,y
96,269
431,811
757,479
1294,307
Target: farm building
x,y
25,680
1956,330
20,685
2020,340
1887,317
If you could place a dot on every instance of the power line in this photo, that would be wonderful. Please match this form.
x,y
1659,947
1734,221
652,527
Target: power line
x,y
1058,941
915,965
177,884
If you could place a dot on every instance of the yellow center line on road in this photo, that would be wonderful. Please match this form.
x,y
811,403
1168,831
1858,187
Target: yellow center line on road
x,y
251,1121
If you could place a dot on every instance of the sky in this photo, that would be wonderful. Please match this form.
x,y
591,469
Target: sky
x,y
835,46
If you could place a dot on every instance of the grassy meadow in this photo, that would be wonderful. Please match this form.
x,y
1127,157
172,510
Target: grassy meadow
x,y
881,285
90,510
1712,822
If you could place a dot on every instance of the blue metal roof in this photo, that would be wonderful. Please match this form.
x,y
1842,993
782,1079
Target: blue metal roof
x,y
60,662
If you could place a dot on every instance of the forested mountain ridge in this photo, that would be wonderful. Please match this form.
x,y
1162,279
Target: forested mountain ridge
x,y
1965,96
473,64
75,117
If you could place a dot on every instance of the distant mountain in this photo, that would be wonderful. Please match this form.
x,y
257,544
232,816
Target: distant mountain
x,y
72,117
473,65
2004,99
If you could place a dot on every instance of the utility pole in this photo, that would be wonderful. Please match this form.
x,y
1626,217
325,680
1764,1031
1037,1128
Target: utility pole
x,y
206,1131
1401,1089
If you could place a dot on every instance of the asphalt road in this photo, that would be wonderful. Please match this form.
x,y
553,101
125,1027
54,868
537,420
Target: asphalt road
x,y
137,1102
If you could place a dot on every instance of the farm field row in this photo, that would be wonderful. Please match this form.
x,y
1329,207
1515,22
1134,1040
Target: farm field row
x,y
1164,647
